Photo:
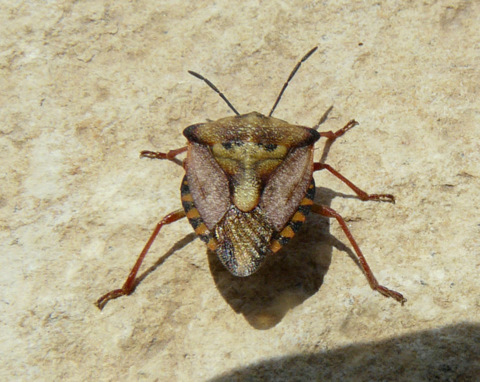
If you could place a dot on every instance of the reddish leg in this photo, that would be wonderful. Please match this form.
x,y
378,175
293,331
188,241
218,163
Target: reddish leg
x,y
328,212
361,194
129,285
331,136
158,155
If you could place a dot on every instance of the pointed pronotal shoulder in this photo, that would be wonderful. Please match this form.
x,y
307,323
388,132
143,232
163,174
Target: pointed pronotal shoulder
x,y
251,127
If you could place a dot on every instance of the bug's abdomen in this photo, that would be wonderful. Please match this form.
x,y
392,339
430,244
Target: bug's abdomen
x,y
296,221
240,239
243,240
194,217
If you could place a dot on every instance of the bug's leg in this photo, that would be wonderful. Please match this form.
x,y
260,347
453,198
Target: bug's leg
x,y
330,213
361,194
331,136
159,155
129,285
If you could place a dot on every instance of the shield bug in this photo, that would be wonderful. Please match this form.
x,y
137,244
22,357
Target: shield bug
x,y
248,187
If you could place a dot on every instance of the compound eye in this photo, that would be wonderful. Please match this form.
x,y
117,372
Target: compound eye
x,y
229,145
270,147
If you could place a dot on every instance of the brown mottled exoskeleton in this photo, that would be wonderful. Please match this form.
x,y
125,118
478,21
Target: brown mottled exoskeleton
x,y
248,188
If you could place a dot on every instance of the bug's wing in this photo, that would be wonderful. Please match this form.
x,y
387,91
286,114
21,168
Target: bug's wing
x,y
208,184
243,240
287,187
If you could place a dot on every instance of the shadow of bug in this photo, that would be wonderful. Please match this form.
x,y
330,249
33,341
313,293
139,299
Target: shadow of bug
x,y
285,281
288,278
247,191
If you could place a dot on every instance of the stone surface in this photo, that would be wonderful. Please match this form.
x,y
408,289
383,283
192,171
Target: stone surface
x,y
85,86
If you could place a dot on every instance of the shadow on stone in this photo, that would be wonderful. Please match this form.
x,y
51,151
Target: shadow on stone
x,y
451,353
288,278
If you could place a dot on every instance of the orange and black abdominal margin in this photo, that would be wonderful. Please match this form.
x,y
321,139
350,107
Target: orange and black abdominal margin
x,y
242,240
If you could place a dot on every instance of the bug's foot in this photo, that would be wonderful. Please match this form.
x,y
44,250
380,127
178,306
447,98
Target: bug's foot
x,y
153,155
159,155
102,301
391,293
380,197
331,136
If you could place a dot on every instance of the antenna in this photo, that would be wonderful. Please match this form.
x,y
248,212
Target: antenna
x,y
214,88
290,77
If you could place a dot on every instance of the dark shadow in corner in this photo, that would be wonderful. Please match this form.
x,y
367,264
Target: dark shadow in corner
x,y
451,353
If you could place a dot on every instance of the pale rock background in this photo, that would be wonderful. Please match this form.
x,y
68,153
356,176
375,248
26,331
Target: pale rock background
x,y
86,85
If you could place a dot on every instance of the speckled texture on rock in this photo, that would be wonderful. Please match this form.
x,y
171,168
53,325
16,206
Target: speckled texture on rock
x,y
85,86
